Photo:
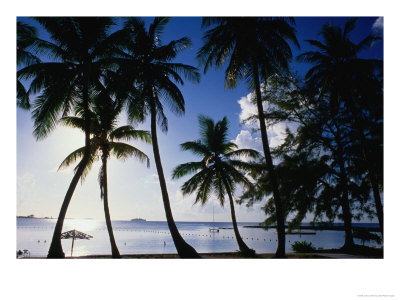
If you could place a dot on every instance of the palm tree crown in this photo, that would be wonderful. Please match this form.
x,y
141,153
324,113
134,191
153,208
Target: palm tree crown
x,y
78,54
106,137
219,169
247,43
146,64
337,67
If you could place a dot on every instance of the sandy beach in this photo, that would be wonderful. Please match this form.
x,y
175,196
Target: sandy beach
x,y
324,254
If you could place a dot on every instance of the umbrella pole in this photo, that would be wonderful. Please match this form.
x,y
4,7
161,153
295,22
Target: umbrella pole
x,y
72,248
73,239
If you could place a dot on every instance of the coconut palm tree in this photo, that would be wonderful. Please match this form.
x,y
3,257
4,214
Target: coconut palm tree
x,y
146,64
339,72
255,48
218,171
105,141
78,54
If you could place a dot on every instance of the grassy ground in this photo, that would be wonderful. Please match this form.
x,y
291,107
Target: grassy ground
x,y
359,250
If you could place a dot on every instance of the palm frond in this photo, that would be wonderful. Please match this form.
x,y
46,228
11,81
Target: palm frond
x,y
129,133
186,169
204,190
197,148
22,96
123,151
244,153
74,122
158,26
191,185
78,154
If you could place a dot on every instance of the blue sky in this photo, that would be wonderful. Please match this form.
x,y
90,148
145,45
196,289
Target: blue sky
x,y
133,189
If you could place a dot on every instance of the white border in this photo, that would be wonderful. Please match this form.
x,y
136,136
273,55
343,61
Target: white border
x,y
206,279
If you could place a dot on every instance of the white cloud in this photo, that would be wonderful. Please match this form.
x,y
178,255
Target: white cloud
x,y
248,109
377,27
245,139
276,134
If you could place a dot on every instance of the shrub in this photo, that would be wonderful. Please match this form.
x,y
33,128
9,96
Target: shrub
x,y
303,247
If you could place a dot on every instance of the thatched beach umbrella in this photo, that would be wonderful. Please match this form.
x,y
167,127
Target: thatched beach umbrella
x,y
75,234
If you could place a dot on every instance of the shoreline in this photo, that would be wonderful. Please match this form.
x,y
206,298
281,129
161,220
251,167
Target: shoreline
x,y
221,255
323,254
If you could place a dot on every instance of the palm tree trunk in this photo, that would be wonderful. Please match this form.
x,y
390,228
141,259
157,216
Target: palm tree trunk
x,y
55,250
244,249
371,172
344,203
183,248
377,198
280,252
114,248
344,199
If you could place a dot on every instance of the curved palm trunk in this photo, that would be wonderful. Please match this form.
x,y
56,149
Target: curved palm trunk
x,y
104,192
55,250
244,249
280,252
183,248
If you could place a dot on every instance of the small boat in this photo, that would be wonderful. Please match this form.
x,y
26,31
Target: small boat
x,y
138,220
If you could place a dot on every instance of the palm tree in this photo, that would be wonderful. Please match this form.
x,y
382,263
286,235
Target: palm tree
x,y
147,66
104,143
218,171
78,53
338,71
256,48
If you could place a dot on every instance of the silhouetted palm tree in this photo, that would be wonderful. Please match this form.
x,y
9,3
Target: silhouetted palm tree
x,y
147,66
78,53
338,71
218,171
255,48
104,143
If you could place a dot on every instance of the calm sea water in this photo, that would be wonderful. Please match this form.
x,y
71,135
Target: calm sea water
x,y
149,237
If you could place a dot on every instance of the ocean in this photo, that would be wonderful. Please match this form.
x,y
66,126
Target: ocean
x,y
153,237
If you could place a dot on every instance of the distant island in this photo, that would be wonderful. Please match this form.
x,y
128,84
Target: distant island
x,y
28,217
33,217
